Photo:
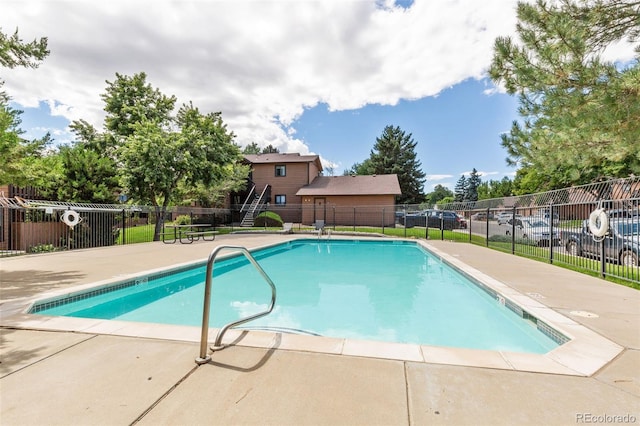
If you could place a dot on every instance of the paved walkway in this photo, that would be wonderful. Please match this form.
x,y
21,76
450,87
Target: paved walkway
x,y
49,377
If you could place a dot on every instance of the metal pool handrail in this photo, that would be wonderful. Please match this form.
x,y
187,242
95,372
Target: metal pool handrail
x,y
204,358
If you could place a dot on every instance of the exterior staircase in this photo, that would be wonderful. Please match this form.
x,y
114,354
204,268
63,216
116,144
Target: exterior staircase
x,y
253,203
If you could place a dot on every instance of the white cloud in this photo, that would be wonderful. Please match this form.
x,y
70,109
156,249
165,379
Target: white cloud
x,y
259,62
437,177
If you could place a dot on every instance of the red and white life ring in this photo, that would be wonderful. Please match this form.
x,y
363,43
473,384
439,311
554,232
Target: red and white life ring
x,y
599,222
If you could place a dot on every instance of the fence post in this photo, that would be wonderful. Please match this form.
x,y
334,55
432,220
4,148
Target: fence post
x,y
551,239
404,217
334,217
487,228
469,215
441,226
383,221
513,230
426,227
603,262
354,219
124,228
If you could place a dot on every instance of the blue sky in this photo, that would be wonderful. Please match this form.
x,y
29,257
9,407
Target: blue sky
x,y
321,77
456,131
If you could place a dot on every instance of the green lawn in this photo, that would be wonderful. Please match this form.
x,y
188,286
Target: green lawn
x,y
137,234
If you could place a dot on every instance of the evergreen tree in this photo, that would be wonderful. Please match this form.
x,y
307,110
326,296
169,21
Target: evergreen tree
x,y
270,149
580,114
364,168
18,157
473,182
251,148
16,53
460,190
394,153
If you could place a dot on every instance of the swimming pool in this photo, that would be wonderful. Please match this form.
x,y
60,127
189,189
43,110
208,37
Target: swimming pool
x,y
394,291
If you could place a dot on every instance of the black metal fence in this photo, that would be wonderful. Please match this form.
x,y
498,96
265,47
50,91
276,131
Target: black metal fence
x,y
600,237
577,227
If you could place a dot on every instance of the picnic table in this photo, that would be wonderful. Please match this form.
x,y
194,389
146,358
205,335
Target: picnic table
x,y
187,234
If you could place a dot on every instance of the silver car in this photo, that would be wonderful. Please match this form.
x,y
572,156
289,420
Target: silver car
x,y
537,230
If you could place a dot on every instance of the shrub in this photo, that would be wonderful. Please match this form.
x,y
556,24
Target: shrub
x,y
507,239
42,248
268,219
183,219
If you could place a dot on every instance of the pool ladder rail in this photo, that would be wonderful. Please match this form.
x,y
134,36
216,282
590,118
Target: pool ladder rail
x,y
217,345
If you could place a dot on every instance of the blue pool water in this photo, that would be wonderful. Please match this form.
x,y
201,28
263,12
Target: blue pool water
x,y
379,290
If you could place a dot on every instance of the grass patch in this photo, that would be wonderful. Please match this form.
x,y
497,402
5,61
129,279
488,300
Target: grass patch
x,y
136,234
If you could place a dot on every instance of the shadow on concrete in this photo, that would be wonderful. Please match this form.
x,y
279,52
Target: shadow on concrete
x,y
254,364
26,283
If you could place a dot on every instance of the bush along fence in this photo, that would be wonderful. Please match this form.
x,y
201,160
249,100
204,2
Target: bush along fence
x,y
590,228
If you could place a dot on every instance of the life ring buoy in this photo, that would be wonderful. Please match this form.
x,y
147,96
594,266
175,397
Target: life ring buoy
x,y
599,222
71,218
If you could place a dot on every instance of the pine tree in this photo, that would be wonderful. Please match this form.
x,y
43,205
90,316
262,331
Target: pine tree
x,y
473,182
460,190
580,114
394,153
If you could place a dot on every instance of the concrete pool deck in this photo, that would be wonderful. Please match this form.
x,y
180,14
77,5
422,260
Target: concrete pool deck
x,y
118,377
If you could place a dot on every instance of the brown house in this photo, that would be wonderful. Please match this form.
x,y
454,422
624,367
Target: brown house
x,y
292,185
275,179
334,200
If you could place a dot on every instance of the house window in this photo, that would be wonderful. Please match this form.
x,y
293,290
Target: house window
x,y
281,170
281,199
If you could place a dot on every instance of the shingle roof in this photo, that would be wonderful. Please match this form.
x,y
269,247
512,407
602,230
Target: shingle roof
x,y
353,185
282,158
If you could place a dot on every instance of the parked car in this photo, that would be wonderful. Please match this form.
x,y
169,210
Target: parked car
x,y
447,218
621,244
504,218
537,230
479,216
434,218
463,222
623,213
547,216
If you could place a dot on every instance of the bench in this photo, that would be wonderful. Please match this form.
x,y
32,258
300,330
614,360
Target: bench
x,y
172,235
195,235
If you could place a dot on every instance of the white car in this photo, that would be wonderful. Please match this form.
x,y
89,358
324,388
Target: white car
x,y
505,217
537,230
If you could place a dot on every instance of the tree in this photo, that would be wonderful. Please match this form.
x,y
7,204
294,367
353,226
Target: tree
x,y
251,148
16,53
130,101
580,114
495,189
473,182
364,168
158,153
270,149
86,174
14,150
438,194
394,153
460,190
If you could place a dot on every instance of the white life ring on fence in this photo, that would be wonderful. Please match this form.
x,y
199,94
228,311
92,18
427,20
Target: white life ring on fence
x,y
599,222
71,218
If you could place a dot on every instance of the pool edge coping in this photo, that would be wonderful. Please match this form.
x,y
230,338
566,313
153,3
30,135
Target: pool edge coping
x,y
585,354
